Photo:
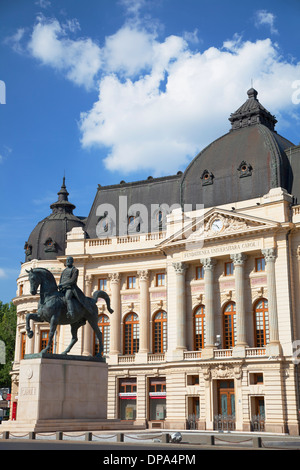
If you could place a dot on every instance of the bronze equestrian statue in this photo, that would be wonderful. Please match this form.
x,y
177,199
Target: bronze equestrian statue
x,y
64,304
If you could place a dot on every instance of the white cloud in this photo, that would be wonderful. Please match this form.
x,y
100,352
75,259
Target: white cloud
x,y
160,120
160,102
266,18
79,59
15,41
43,3
133,7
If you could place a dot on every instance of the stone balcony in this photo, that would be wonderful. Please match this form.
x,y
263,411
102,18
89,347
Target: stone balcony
x,y
192,356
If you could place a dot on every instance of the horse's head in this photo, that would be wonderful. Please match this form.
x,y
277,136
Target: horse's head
x,y
34,281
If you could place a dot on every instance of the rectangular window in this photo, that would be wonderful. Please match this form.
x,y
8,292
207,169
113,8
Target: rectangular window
x,y
256,378
127,397
44,341
131,282
23,344
157,398
260,264
199,272
160,279
229,268
102,284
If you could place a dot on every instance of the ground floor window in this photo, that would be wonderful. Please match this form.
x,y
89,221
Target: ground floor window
x,y
127,399
157,398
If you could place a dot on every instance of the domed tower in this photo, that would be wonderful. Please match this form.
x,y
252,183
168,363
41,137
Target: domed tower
x,y
48,238
243,164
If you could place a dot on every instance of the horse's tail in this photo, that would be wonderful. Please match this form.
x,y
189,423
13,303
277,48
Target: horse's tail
x,y
103,295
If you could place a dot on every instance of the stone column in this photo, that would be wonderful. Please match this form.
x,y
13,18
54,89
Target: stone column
x,y
208,266
115,318
88,331
270,257
144,311
239,263
180,269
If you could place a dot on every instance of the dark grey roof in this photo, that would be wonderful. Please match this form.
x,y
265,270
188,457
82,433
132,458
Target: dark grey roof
x,y
240,165
243,164
48,238
125,199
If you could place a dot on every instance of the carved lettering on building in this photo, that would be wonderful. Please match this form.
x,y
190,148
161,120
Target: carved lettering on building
x,y
25,391
223,249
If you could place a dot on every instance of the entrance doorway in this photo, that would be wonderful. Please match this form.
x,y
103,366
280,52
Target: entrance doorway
x,y
225,419
226,397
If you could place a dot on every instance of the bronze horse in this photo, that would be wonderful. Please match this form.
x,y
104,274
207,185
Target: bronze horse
x,y
53,309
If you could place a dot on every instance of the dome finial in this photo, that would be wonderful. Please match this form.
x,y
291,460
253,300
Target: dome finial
x,y
63,202
252,93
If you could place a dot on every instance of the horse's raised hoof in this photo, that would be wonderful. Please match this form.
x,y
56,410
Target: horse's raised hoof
x,y
30,334
110,310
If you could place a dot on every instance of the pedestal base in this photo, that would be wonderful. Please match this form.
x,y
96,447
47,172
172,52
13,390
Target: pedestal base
x,y
62,388
62,393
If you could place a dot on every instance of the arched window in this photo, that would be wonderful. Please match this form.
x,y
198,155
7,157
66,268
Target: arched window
x,y
131,333
229,325
160,332
261,323
199,328
104,326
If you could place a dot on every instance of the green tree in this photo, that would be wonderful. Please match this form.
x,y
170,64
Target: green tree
x,y
8,325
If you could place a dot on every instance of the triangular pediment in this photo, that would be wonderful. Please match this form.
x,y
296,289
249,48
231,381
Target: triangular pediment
x,y
215,224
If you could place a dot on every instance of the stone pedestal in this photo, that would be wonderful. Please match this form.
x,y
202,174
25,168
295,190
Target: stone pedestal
x,y
62,389
66,393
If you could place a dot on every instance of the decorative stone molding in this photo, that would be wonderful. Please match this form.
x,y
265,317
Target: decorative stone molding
x,y
223,371
114,277
208,263
270,254
179,267
143,275
238,259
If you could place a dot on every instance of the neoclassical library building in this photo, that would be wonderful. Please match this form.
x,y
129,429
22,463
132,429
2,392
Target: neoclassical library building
x,y
203,272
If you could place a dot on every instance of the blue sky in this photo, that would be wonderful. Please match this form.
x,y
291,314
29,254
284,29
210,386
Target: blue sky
x,y
110,90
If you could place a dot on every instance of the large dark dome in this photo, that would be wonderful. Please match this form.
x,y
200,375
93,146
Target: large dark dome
x,y
243,164
48,238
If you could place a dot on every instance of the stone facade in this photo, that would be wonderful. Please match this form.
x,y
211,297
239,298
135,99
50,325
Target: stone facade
x,y
252,254
203,272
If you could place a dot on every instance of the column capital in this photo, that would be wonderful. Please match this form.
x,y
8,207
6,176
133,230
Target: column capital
x,y
143,274
114,278
208,263
238,259
179,267
270,254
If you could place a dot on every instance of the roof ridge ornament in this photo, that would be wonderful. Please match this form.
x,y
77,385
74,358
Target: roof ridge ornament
x,y
63,203
252,112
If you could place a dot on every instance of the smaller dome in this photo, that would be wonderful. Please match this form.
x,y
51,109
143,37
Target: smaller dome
x,y
48,238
